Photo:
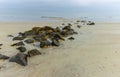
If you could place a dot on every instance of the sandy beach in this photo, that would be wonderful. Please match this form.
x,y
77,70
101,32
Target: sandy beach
x,y
95,52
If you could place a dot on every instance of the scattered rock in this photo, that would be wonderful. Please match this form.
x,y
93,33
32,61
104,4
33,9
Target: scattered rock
x,y
78,21
55,42
10,36
71,38
69,24
18,38
28,41
90,23
78,26
63,24
21,49
19,58
57,36
33,52
44,44
18,44
3,57
1,44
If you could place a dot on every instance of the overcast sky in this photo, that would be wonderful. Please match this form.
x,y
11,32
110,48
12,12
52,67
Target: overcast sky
x,y
62,7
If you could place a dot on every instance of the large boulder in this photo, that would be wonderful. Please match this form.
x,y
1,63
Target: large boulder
x,y
19,58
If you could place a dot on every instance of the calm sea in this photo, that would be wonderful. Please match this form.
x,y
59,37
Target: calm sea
x,y
37,17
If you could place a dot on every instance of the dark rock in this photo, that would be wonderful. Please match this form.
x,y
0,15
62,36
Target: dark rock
x,y
63,24
71,38
19,58
78,21
67,27
57,36
55,42
18,44
41,29
1,44
21,49
10,36
78,26
90,23
3,57
18,38
29,33
45,43
33,52
69,24
29,41
58,29
21,34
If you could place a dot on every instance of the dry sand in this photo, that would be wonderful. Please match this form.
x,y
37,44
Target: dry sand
x,y
95,52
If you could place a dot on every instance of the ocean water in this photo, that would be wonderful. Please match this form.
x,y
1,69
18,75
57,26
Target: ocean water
x,y
36,17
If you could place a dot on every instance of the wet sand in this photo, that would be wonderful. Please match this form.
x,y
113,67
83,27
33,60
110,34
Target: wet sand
x,y
95,52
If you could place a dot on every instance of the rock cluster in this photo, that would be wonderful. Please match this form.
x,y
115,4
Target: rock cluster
x,y
44,36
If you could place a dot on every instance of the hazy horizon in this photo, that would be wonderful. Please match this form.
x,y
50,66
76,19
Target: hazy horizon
x,y
25,9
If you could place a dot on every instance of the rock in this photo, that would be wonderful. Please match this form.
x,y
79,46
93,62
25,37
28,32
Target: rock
x,y
45,43
63,24
33,52
18,38
20,34
39,29
67,27
29,33
10,36
78,21
28,41
19,58
3,57
1,44
90,23
58,29
55,42
78,26
69,24
57,36
71,38
18,44
21,49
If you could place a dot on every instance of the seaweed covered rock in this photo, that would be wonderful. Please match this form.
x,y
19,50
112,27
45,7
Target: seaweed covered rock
x,y
19,58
